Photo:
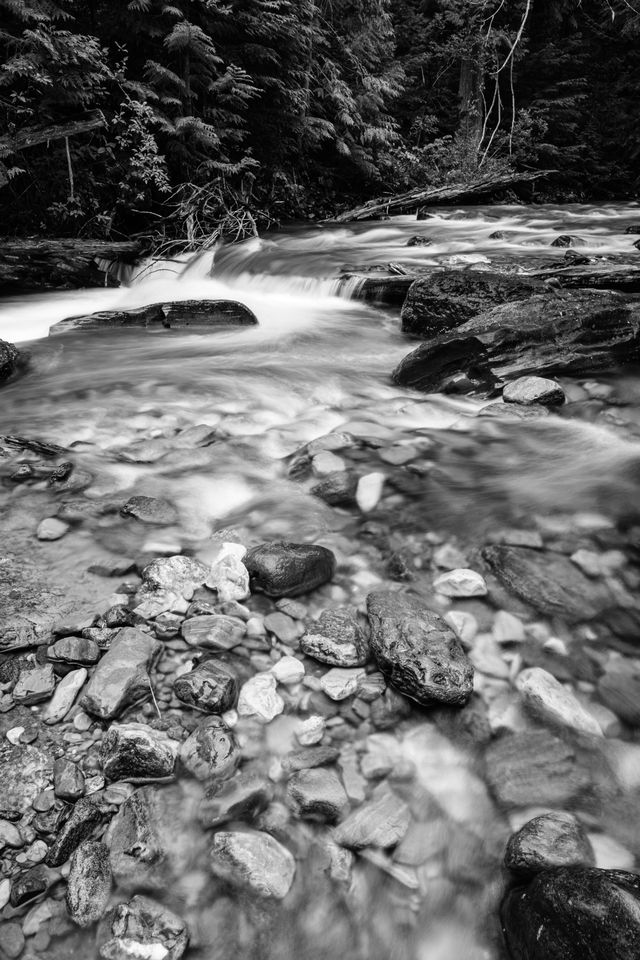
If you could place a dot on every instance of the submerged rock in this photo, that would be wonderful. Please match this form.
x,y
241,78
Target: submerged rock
x,y
547,581
255,860
121,678
546,698
533,768
336,638
209,687
550,840
150,510
143,929
545,335
574,913
89,883
241,798
447,299
382,822
284,569
135,751
318,794
210,751
418,651
206,314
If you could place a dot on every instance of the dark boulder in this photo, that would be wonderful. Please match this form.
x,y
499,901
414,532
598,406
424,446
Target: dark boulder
x,y
135,751
545,335
574,913
547,581
567,240
418,651
10,359
419,241
203,314
282,569
338,489
444,301
634,228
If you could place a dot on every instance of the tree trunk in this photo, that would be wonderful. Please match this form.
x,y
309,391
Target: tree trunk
x,y
70,264
42,133
471,107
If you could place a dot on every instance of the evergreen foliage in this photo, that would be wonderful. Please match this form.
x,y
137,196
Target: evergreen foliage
x,y
288,108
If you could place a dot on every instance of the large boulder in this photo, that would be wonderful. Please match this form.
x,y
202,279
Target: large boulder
x,y
547,334
445,300
418,651
10,358
204,314
574,913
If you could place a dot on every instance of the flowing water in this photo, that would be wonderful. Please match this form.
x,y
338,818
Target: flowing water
x,y
120,402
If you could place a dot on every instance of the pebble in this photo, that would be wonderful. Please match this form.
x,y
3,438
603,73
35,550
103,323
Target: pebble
x,y
293,609
548,841
209,687
89,883
317,794
5,892
150,510
598,564
68,780
507,628
288,670
547,698
528,390
253,859
213,632
52,529
121,677
284,569
144,930
461,582
463,624
609,854
211,750
339,683
283,627
74,650
337,639
258,698
369,491
325,462
310,731
382,823
10,836
228,575
34,685
134,751
11,939
64,698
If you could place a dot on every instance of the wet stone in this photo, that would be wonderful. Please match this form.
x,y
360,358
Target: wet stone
x,y
337,639
28,886
121,678
253,860
210,751
525,769
74,650
548,699
340,683
85,817
144,929
258,698
52,529
150,510
35,684
418,651
213,632
209,687
338,489
64,696
68,780
528,390
89,883
317,794
282,627
228,575
461,582
135,751
572,913
382,823
550,840
309,758
284,569
242,798
24,772
619,689
11,939
10,836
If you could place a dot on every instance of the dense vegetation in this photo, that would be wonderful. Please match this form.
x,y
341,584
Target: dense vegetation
x,y
290,108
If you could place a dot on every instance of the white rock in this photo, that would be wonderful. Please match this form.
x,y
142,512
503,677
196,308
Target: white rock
x,y
624,758
463,624
310,731
288,670
546,697
228,574
448,557
529,390
65,695
5,892
486,656
341,682
369,490
51,529
461,582
256,627
326,462
598,564
556,645
230,717
609,854
258,698
508,628
13,735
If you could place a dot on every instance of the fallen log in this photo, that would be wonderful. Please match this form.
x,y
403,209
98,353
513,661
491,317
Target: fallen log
x,y
44,132
621,277
174,315
70,264
451,193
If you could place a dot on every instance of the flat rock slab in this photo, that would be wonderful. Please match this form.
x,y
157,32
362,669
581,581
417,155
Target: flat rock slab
x,y
546,335
418,651
574,913
548,581
447,299
121,678
203,314
535,768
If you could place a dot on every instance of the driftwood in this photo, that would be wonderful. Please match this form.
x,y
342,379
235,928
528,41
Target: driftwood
x,y
44,132
49,264
451,193
623,277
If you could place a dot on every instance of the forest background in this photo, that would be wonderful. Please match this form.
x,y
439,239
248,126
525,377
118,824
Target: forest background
x,y
292,109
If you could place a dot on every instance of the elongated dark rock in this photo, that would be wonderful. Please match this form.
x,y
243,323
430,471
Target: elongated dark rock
x,y
418,651
574,913
545,335
9,359
207,314
85,817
